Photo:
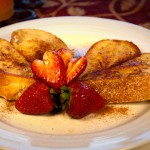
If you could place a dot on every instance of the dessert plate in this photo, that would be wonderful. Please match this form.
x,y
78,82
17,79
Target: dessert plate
x,y
118,127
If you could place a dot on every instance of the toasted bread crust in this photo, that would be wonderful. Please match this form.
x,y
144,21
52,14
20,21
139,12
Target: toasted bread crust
x,y
32,43
122,89
12,86
107,53
129,82
13,62
115,81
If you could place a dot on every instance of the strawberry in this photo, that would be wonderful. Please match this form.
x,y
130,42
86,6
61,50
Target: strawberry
x,y
65,55
35,100
75,68
84,100
51,70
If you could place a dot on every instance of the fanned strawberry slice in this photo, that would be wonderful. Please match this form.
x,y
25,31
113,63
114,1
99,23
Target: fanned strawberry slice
x,y
51,70
75,68
35,100
65,55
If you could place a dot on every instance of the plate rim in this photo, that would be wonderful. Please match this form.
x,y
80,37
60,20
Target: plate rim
x,y
85,17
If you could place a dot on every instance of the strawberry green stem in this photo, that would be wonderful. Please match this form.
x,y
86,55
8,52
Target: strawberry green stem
x,y
62,99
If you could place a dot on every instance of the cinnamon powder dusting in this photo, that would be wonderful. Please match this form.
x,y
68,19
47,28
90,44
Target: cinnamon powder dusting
x,y
7,106
109,110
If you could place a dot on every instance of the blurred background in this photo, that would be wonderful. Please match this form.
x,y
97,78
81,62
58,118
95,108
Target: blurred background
x,y
133,11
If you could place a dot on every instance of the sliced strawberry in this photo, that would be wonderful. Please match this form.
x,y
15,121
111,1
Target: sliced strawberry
x,y
75,68
51,70
35,100
84,100
65,55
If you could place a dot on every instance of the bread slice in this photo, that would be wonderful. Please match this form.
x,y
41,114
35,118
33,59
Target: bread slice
x,y
107,53
15,72
125,83
11,61
15,67
32,43
12,86
129,82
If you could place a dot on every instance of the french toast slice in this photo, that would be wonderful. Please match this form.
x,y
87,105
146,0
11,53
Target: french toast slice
x,y
107,53
105,81
15,72
32,43
12,86
11,61
129,82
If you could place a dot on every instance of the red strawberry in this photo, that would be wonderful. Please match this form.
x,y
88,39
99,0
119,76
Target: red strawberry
x,y
65,55
75,68
84,100
51,70
35,100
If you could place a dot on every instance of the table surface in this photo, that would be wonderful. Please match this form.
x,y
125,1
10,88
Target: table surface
x,y
132,11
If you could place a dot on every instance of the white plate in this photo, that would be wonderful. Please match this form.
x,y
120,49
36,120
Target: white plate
x,y
109,132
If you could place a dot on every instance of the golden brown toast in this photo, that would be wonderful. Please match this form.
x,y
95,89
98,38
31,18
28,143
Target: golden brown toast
x,y
107,53
15,69
12,86
11,61
32,43
15,74
129,82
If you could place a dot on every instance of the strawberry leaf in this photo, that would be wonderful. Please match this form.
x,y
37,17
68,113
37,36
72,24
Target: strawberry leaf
x,y
56,98
65,97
